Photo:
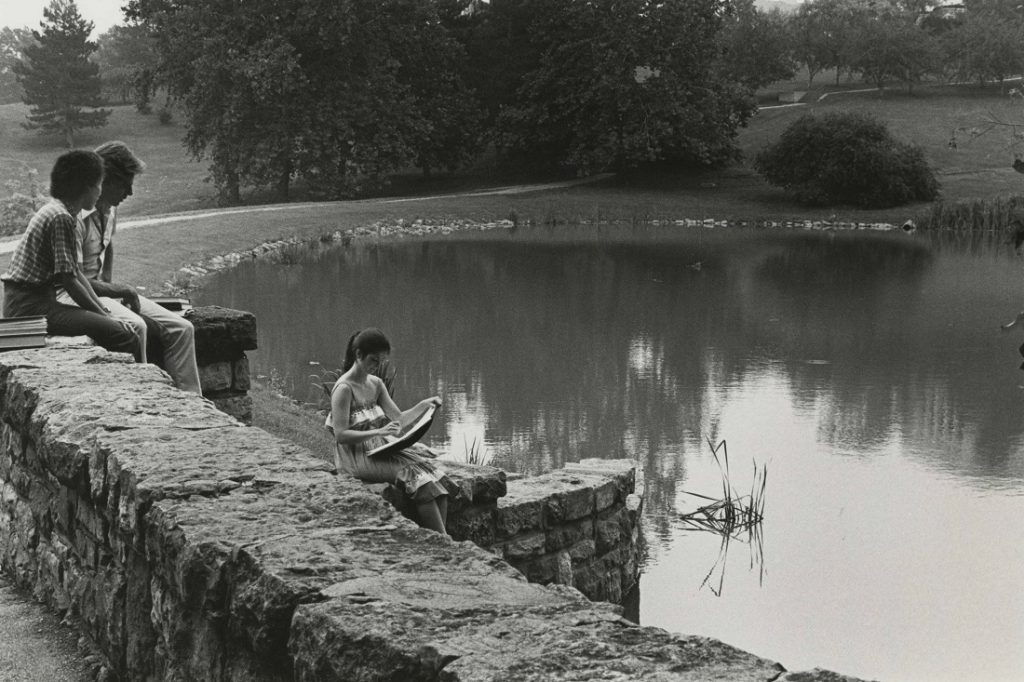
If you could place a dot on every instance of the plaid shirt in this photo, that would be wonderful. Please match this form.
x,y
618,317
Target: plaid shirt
x,y
47,248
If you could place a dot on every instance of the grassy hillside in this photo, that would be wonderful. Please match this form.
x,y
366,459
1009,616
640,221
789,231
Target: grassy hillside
x,y
172,181
979,166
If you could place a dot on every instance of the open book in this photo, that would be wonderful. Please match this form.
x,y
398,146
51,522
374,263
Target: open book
x,y
407,436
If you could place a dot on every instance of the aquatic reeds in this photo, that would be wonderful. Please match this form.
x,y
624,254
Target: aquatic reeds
x,y
731,513
732,516
475,452
994,218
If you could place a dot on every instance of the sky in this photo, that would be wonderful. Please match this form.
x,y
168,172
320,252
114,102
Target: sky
x,y
102,13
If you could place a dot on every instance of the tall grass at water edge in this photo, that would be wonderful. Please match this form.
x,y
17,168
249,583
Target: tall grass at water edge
x,y
996,221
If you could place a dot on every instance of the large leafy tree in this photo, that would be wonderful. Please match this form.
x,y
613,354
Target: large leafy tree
x,y
988,44
756,46
620,84
891,46
128,60
62,87
338,93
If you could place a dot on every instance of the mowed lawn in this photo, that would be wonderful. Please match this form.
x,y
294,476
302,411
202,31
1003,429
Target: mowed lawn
x,y
172,182
980,166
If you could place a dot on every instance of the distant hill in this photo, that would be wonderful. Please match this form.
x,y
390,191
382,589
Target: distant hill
x,y
781,5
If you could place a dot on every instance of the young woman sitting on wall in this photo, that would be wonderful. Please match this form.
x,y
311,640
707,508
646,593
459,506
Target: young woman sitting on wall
x,y
363,413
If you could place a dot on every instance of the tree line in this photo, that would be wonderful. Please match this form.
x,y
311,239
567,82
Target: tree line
x,y
337,94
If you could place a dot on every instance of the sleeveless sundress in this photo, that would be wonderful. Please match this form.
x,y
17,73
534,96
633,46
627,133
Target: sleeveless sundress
x,y
408,469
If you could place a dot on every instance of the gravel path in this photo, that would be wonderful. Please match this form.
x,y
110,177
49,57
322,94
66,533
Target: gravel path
x,y
34,646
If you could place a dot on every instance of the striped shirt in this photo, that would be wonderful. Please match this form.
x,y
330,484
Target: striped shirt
x,y
47,248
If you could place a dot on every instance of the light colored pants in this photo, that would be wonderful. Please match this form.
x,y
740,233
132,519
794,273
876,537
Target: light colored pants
x,y
177,337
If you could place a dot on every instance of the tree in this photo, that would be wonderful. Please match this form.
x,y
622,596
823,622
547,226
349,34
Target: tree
x,y
128,60
623,84
12,43
756,46
989,44
337,93
62,87
892,46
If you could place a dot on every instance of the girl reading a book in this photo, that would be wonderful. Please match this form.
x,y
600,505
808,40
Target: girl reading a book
x,y
363,418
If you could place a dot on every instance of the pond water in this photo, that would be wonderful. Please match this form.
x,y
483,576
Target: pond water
x,y
867,373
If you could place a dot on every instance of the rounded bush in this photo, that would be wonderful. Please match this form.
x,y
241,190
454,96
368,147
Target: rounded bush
x,y
846,158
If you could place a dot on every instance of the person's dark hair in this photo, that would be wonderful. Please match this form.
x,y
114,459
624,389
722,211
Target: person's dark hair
x,y
119,160
366,341
73,173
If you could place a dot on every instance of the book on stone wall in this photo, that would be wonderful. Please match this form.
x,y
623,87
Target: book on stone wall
x,y
175,303
22,332
410,434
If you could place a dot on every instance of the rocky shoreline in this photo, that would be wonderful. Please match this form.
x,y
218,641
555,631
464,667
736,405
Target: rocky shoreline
x,y
189,277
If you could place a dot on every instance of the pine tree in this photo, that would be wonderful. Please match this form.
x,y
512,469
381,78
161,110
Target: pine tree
x,y
61,85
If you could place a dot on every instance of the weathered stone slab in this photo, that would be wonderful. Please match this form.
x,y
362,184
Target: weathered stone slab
x,y
558,638
480,485
221,332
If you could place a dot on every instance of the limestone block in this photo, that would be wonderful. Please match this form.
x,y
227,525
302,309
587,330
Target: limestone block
x,y
475,524
8,497
583,551
216,376
515,515
222,333
612,530
22,481
623,471
569,534
547,569
241,379
480,485
550,642
527,546
238,406
572,497
89,519
607,494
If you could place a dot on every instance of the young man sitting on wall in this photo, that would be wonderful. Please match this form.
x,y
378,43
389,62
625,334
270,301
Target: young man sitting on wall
x,y
95,235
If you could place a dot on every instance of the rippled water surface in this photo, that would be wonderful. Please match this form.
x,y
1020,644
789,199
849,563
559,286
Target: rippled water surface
x,y
867,372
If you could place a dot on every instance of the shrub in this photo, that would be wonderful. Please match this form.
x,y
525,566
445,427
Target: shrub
x,y
846,158
165,116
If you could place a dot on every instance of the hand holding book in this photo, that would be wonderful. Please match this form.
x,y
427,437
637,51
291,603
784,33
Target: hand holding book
x,y
405,436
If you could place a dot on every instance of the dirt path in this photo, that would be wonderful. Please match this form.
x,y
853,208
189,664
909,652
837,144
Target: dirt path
x,y
34,646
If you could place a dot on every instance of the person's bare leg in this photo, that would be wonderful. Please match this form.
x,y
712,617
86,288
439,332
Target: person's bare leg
x,y
442,508
430,515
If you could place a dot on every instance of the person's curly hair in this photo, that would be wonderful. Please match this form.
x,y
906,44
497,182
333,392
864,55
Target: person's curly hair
x,y
73,173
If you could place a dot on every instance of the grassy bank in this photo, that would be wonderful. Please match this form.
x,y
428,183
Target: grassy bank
x,y
979,167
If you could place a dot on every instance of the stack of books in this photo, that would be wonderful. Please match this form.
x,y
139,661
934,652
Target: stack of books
x,y
22,332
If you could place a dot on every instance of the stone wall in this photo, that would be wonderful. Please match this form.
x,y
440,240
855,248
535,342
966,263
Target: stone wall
x,y
578,526
188,546
222,337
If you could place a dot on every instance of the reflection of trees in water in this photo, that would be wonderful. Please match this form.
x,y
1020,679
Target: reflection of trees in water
x,y
617,349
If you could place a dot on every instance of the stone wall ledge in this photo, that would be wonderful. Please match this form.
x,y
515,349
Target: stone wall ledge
x,y
189,546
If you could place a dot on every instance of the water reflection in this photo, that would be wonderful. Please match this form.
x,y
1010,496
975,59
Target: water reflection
x,y
867,371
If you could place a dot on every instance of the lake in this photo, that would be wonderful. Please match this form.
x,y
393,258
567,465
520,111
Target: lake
x,y
865,371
